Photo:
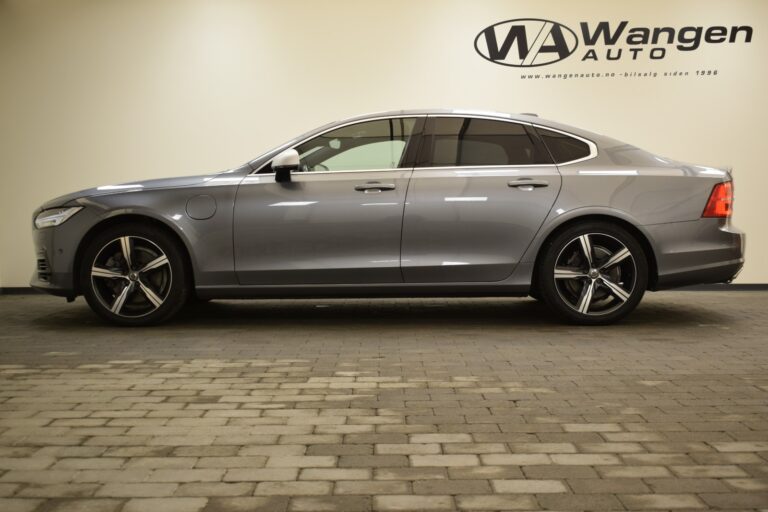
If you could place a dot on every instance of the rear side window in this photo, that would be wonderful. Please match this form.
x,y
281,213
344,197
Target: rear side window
x,y
456,141
564,148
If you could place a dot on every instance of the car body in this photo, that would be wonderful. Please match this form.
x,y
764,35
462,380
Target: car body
x,y
406,203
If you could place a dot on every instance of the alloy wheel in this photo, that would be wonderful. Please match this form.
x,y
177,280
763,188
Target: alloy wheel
x,y
131,276
595,274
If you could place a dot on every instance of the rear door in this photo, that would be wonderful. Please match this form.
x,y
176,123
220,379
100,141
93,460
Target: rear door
x,y
479,192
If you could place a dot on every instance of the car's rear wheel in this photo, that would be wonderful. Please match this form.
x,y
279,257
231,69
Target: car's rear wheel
x,y
592,273
134,275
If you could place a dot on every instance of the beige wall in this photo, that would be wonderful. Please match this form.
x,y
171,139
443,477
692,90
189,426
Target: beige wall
x,y
99,92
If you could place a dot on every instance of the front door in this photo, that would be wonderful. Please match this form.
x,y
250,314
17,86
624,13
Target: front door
x,y
338,221
479,193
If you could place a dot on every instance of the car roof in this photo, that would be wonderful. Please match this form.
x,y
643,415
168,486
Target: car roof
x,y
448,111
522,117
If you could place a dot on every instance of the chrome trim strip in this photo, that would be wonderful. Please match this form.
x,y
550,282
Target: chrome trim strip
x,y
335,127
591,144
252,175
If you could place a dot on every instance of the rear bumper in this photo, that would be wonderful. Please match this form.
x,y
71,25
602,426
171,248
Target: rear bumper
x,y
704,251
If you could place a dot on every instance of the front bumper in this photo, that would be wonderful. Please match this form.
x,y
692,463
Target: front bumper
x,y
56,252
54,273
705,251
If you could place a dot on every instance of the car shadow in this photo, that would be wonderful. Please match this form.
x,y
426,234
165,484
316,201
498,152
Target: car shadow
x,y
378,314
445,313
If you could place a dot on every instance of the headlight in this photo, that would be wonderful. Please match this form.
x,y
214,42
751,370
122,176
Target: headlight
x,y
55,216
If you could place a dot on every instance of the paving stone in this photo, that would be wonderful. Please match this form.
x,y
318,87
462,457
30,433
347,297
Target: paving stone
x,y
453,486
542,447
88,505
373,461
515,459
331,503
262,474
58,491
748,484
634,472
496,502
293,488
411,503
407,449
186,475
526,486
751,500
714,471
579,502
206,489
128,490
478,448
248,504
165,504
485,472
584,459
18,505
444,460
660,501
410,473
372,487
441,438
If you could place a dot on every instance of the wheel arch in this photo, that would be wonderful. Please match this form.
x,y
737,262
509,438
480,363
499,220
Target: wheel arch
x,y
128,218
642,238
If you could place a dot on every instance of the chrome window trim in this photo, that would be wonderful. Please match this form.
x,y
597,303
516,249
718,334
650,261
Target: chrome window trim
x,y
592,146
336,127
256,175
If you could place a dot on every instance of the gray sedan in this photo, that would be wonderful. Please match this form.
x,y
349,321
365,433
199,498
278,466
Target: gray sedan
x,y
408,203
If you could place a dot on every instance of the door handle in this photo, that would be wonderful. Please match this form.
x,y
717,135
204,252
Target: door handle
x,y
527,183
374,186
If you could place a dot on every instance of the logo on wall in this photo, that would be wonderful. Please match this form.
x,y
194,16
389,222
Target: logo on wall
x,y
526,42
532,42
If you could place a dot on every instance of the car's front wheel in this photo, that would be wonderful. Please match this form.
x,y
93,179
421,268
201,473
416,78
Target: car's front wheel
x,y
592,273
136,275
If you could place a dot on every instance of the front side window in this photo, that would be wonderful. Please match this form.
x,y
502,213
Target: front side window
x,y
456,141
368,145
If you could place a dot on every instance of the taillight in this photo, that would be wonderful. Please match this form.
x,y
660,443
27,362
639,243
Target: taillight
x,y
720,202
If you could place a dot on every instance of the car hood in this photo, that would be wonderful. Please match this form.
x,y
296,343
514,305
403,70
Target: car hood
x,y
135,186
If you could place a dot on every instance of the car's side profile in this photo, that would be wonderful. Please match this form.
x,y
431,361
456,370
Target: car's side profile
x,y
407,203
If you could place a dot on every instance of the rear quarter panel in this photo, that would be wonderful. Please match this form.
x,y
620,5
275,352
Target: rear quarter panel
x,y
643,189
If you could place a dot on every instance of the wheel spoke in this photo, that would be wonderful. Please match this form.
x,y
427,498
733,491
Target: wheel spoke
x,y
150,295
586,297
586,248
106,273
120,300
568,273
155,263
616,258
617,291
125,245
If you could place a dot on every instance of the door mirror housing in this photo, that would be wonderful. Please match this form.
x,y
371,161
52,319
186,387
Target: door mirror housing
x,y
284,164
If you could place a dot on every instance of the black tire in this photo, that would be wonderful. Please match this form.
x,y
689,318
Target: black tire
x,y
592,293
146,289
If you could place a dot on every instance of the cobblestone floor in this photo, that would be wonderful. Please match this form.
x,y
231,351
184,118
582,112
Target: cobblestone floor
x,y
385,405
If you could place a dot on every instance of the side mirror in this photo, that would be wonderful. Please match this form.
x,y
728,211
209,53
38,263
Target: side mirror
x,y
285,163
